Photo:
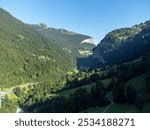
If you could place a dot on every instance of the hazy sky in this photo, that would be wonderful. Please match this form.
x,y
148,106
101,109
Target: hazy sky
x,y
92,17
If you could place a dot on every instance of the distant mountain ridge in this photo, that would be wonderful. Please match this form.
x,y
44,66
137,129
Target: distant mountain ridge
x,y
125,43
118,46
76,44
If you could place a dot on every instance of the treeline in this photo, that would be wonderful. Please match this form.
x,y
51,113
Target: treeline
x,y
122,73
80,100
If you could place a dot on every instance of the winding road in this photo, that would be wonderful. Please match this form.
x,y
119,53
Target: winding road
x,y
111,103
11,90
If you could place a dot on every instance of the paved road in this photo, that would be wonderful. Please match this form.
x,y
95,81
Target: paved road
x,y
8,91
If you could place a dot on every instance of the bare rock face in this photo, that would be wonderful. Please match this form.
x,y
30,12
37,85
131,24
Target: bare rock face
x,y
78,45
88,40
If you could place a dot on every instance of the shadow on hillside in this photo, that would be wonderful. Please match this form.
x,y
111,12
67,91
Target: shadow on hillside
x,y
88,62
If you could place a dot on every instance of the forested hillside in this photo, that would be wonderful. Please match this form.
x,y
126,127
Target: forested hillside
x,y
124,44
26,55
115,88
78,45
44,69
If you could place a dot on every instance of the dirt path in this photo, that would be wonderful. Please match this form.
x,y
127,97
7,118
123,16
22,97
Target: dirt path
x,y
111,103
108,107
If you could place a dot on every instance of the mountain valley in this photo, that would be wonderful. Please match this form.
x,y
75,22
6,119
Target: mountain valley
x,y
49,70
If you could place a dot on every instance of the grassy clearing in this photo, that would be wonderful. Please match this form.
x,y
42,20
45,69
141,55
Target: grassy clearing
x,y
127,108
122,108
71,91
146,108
138,82
73,71
12,96
106,82
94,110
118,108
66,93
115,108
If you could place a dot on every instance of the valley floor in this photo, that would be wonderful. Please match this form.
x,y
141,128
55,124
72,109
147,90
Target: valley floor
x,y
117,108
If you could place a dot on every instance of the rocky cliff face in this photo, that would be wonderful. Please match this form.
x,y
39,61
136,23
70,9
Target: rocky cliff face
x,y
88,40
76,44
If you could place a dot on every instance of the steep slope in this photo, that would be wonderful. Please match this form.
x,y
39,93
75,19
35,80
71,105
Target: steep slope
x,y
76,44
25,55
124,44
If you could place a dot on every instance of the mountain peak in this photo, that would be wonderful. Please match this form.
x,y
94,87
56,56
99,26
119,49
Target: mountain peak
x,y
42,25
